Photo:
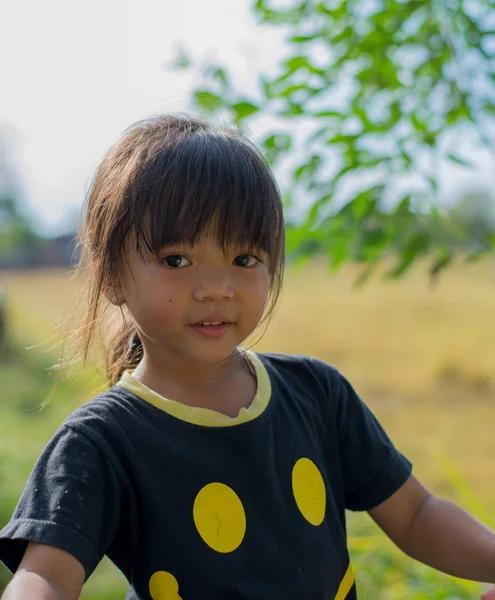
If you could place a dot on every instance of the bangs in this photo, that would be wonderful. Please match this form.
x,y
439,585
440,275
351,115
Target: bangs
x,y
207,183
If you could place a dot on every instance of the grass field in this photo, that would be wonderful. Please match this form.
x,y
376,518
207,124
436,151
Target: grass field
x,y
421,355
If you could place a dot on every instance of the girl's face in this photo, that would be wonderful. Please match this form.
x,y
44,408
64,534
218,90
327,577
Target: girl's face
x,y
194,303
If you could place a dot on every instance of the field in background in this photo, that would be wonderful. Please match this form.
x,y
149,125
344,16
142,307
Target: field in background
x,y
421,355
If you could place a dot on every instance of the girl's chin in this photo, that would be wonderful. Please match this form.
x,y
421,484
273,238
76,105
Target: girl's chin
x,y
213,355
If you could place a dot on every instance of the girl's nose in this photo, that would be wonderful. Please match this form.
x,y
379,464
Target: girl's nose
x,y
215,290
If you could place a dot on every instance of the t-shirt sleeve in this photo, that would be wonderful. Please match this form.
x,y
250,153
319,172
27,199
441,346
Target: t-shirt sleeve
x,y
372,468
71,501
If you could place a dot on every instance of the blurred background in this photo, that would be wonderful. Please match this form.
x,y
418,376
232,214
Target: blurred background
x,y
378,118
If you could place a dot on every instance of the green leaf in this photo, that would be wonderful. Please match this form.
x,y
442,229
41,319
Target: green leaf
x,y
459,160
342,172
244,109
300,39
292,89
297,62
330,113
361,204
276,143
182,61
339,250
292,110
366,202
340,138
297,238
405,262
307,169
319,133
435,215
417,123
444,257
268,88
364,276
417,245
221,76
208,101
316,209
404,206
281,141
433,183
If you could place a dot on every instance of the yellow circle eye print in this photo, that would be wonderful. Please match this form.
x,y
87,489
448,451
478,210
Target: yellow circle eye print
x,y
219,517
164,586
309,491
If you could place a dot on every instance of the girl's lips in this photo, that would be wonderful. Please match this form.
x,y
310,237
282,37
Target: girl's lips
x,y
211,331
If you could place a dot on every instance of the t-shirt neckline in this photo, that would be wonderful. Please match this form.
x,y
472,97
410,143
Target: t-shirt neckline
x,y
204,416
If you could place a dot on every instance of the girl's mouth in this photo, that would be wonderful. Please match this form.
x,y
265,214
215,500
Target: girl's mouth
x,y
211,329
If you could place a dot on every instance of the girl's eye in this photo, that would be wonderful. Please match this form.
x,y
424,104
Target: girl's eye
x,y
245,260
176,261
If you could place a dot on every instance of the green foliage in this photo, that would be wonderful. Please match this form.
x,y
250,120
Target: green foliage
x,y
16,232
472,218
406,69
383,572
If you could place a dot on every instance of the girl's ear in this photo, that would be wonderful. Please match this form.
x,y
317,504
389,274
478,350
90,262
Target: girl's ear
x,y
113,293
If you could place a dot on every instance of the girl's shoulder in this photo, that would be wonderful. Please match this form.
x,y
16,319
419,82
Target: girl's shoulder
x,y
292,359
307,378
300,366
105,407
108,418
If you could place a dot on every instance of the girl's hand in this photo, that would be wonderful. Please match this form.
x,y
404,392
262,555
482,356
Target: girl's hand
x,y
490,595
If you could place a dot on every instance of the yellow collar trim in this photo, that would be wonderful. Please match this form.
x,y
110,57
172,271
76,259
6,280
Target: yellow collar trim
x,y
205,416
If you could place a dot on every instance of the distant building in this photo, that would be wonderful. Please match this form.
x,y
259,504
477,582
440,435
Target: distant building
x,y
52,252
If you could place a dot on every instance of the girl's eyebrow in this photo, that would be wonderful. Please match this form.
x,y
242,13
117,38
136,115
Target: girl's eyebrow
x,y
237,247
176,246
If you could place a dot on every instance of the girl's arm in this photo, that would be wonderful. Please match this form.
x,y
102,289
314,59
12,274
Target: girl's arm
x,y
437,533
46,573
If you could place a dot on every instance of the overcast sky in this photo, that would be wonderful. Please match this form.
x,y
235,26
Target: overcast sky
x,y
73,75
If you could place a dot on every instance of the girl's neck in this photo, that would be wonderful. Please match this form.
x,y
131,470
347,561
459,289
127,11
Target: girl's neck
x,y
225,387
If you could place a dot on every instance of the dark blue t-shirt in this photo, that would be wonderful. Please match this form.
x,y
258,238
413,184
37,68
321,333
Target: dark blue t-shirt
x,y
191,504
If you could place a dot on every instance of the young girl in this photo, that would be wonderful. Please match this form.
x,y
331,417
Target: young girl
x,y
208,470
